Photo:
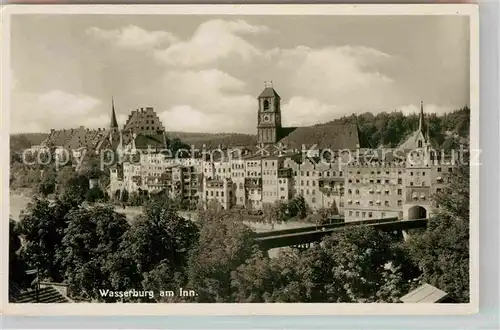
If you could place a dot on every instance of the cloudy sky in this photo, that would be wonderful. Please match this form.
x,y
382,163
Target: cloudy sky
x,y
203,73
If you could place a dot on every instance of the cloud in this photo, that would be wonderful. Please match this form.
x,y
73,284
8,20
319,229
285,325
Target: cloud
x,y
187,119
133,37
352,77
54,109
213,40
206,101
210,91
300,111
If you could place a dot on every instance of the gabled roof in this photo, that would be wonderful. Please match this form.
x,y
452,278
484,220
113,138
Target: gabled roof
x,y
143,141
330,136
411,143
269,92
425,293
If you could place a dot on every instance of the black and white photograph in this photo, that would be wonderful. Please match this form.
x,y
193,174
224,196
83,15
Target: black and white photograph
x,y
241,157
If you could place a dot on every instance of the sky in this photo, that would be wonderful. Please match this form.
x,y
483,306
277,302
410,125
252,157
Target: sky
x,y
203,73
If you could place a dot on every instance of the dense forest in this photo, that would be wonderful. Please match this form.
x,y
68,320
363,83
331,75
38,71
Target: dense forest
x,y
390,129
386,128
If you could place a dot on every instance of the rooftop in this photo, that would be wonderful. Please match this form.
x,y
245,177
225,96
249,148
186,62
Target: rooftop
x,y
425,293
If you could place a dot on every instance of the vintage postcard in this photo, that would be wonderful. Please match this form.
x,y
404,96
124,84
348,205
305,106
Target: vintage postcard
x,y
279,159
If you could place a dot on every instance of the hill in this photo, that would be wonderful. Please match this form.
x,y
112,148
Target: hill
x,y
21,141
386,128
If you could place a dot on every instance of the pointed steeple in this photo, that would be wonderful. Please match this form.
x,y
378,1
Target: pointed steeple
x,y
114,122
421,117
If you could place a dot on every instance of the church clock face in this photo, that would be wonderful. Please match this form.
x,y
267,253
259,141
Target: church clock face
x,y
266,119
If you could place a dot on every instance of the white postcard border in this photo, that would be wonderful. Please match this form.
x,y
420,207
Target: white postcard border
x,y
246,309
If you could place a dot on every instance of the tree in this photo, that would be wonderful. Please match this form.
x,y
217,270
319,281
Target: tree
x,y
224,244
48,181
275,213
91,240
125,196
42,227
162,278
94,194
76,187
297,207
158,236
16,265
442,251
364,261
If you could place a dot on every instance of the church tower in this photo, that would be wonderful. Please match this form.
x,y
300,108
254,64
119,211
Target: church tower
x,y
269,116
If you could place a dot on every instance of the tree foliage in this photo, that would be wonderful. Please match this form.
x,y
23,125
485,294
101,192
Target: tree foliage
x,y
91,239
442,251
42,227
224,244
159,236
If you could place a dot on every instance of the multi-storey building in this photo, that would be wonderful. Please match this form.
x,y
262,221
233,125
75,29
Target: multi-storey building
x,y
219,190
144,121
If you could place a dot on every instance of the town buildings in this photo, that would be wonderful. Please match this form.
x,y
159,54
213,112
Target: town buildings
x,y
324,164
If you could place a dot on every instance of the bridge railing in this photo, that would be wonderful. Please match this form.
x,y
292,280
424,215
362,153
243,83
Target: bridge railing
x,y
279,239
322,227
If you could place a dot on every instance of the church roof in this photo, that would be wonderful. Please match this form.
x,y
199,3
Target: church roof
x,y
325,136
411,143
269,92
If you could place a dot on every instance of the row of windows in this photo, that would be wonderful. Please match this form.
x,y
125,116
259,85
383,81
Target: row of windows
x,y
269,182
307,173
307,183
216,193
270,193
363,214
269,172
371,191
378,172
378,181
313,192
372,203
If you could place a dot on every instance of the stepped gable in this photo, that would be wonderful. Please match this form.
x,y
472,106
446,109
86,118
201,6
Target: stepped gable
x,y
325,136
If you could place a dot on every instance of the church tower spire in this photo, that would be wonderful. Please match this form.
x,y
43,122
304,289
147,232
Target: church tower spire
x,y
421,117
114,123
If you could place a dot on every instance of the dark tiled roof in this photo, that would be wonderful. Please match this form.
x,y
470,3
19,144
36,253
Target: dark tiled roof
x,y
269,92
325,136
154,141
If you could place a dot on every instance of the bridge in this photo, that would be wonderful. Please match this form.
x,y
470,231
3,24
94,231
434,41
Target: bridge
x,y
303,237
